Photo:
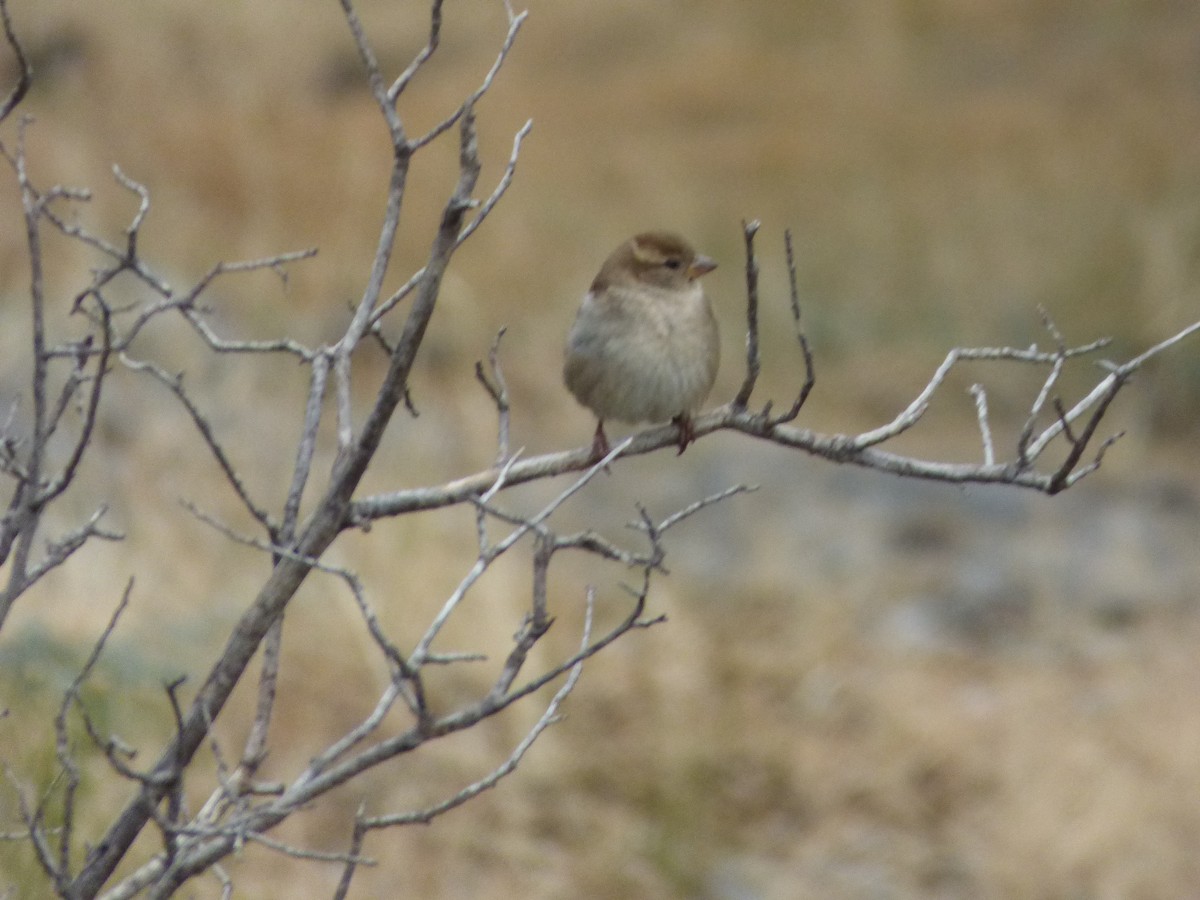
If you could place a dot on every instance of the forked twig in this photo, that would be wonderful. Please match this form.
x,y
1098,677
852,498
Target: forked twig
x,y
548,718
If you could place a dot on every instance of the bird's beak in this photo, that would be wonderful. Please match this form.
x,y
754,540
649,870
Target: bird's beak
x,y
701,265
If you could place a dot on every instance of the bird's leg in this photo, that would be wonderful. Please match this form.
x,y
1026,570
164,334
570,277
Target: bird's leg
x,y
687,432
600,448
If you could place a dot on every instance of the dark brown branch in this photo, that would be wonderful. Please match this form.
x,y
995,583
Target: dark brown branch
x,y
353,852
810,376
497,389
1079,445
25,79
753,362
1059,360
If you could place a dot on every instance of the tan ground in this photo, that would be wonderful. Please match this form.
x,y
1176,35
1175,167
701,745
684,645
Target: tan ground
x,y
865,689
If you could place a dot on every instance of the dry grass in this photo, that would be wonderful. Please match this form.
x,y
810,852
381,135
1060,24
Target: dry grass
x,y
864,689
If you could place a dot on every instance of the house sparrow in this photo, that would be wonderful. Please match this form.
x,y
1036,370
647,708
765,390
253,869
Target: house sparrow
x,y
644,345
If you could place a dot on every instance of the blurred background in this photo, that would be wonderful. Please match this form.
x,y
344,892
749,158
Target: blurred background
x,y
866,687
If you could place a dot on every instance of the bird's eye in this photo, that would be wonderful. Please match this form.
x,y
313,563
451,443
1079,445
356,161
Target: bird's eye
x,y
673,264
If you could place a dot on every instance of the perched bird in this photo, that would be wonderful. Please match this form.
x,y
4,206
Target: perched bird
x,y
644,345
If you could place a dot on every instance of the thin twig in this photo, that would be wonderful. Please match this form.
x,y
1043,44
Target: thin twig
x,y
1060,359
435,31
305,447
175,385
467,108
548,718
353,854
692,508
810,375
985,430
62,744
255,751
131,232
753,362
498,390
486,207
481,564
1100,390
37,835
25,79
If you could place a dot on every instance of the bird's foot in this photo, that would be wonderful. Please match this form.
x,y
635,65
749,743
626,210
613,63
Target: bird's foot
x,y
687,431
600,448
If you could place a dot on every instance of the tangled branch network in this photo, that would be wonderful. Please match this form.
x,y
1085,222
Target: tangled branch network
x,y
41,462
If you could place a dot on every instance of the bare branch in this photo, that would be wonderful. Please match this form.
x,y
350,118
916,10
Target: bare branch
x,y
92,407
753,363
691,509
325,772
69,375
306,447
985,430
435,31
514,25
25,506
422,649
535,624
34,832
278,846
1060,358
1079,444
186,305
498,391
1100,390
255,751
915,410
60,549
25,79
810,376
859,450
135,226
175,385
501,187
502,184
356,842
62,742
385,103
548,718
